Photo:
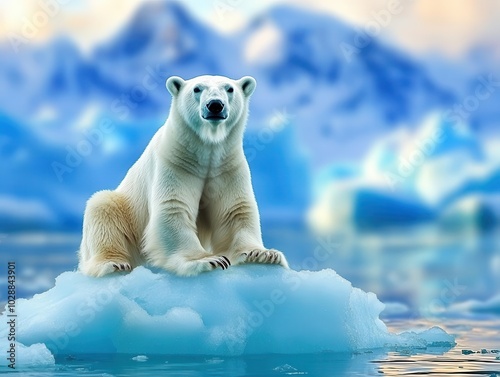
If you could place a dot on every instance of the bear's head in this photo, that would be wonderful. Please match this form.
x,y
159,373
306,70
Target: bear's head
x,y
211,105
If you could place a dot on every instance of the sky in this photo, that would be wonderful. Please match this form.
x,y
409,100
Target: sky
x,y
449,27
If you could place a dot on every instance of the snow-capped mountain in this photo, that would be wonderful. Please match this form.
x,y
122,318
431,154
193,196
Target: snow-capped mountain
x,y
342,99
54,100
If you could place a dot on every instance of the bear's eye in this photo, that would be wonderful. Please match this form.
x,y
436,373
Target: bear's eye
x,y
196,89
230,89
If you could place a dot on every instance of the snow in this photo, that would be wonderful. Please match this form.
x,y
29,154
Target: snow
x,y
243,310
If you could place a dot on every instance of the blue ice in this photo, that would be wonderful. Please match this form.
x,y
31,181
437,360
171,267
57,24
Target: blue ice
x,y
243,310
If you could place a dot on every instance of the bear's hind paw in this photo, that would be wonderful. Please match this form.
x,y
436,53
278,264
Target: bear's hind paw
x,y
104,268
122,266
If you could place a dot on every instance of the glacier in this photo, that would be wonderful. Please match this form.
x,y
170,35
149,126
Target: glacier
x,y
245,310
436,172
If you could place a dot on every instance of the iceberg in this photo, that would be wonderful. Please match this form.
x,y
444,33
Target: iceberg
x,y
344,204
434,172
245,310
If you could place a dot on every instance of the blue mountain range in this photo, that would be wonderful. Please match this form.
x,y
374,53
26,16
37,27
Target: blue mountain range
x,y
72,123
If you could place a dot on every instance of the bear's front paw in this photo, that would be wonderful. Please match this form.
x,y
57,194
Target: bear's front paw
x,y
267,256
218,261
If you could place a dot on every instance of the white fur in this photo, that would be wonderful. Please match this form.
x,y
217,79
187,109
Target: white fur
x,y
187,205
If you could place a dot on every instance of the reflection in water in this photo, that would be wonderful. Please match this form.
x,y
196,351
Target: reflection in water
x,y
425,270
476,352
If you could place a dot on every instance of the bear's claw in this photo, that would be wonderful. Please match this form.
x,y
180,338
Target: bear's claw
x,y
270,256
122,267
221,261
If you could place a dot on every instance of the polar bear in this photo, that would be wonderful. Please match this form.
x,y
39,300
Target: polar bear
x,y
187,204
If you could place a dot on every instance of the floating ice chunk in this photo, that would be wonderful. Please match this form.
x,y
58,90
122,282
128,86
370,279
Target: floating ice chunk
x,y
436,337
433,337
140,358
244,310
288,370
214,360
285,368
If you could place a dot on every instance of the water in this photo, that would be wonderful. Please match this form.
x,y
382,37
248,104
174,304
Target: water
x,y
426,273
436,362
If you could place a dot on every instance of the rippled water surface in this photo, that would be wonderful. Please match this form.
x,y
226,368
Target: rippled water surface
x,y
471,336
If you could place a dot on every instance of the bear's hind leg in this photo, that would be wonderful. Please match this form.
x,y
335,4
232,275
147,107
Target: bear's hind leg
x,y
108,242
106,262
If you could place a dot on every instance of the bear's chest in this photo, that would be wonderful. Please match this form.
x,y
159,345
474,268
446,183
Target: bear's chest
x,y
215,163
205,163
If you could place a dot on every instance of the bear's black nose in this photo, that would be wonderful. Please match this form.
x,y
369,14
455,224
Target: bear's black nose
x,y
215,106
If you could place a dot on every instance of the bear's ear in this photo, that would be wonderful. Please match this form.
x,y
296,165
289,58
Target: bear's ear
x,y
247,85
174,85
